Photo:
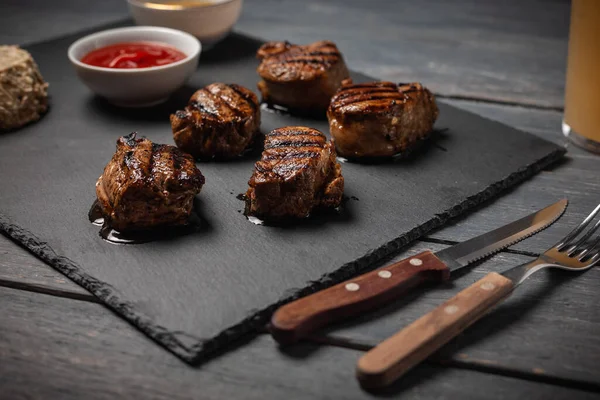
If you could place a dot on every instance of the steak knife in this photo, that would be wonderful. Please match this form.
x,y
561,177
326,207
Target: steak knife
x,y
300,318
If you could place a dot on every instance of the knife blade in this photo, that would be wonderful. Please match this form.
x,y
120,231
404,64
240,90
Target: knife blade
x,y
300,318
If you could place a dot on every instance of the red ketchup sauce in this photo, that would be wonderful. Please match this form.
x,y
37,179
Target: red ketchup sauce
x,y
133,55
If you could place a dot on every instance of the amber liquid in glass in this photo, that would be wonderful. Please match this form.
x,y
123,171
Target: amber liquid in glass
x,y
178,4
582,92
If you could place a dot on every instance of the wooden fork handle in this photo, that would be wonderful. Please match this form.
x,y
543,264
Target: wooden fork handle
x,y
396,355
373,289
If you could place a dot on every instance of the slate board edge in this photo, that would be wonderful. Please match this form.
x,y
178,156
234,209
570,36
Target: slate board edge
x,y
203,349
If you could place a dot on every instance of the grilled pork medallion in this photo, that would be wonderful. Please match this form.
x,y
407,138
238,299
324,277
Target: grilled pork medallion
x,y
147,184
380,119
300,78
297,173
220,121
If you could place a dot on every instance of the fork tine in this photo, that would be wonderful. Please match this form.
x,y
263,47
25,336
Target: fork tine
x,y
582,242
562,244
596,257
592,251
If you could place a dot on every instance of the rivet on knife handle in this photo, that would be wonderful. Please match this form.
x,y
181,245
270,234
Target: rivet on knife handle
x,y
301,317
396,355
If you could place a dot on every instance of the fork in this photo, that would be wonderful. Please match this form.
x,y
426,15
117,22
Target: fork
x,y
389,360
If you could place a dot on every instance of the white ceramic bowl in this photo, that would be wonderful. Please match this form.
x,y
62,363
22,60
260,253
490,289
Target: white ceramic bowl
x,y
208,22
137,87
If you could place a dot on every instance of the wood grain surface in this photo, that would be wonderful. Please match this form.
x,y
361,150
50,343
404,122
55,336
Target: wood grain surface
x,y
547,329
476,353
514,52
234,272
30,21
396,355
511,53
576,178
65,349
358,295
580,186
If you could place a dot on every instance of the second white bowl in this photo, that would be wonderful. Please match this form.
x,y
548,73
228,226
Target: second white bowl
x,y
137,87
208,22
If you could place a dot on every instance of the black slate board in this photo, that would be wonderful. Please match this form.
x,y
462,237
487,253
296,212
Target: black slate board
x,y
197,294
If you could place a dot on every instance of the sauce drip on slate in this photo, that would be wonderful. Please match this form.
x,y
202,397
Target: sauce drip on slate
x,y
111,235
133,55
95,214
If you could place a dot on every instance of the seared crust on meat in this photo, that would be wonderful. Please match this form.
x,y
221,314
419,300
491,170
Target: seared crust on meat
x,y
220,121
380,119
297,173
300,77
286,62
147,184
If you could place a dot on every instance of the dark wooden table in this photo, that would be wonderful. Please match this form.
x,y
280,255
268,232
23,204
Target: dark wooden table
x,y
504,61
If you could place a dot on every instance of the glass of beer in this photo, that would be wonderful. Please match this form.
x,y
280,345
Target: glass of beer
x,y
581,123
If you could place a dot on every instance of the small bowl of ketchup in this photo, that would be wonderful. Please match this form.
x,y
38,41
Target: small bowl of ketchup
x,y
135,66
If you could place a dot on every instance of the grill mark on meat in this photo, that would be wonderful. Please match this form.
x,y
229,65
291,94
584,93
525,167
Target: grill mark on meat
x,y
147,184
296,140
288,148
246,96
127,159
200,107
296,136
281,168
130,139
220,121
175,162
296,173
336,54
370,85
284,168
353,97
324,59
272,144
380,119
306,51
301,78
155,148
374,93
220,102
364,91
296,153
263,167
314,63
408,89
217,101
306,60
291,132
181,114
317,55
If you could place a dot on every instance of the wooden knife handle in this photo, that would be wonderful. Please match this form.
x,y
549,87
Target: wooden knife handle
x,y
396,355
297,319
